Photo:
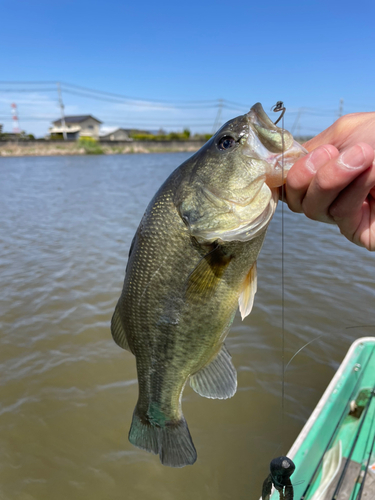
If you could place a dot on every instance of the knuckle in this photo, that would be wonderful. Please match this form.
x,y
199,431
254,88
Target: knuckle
x,y
338,212
309,211
293,182
294,207
323,183
342,123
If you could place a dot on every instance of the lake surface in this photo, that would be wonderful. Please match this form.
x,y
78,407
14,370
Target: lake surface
x,y
67,391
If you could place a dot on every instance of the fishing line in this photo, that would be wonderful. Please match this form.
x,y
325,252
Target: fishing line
x,y
282,280
299,350
279,106
281,467
359,326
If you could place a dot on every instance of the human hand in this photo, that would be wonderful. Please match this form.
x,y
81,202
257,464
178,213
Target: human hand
x,y
338,188
347,131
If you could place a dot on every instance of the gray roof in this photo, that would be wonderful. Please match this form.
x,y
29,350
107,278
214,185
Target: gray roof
x,y
76,119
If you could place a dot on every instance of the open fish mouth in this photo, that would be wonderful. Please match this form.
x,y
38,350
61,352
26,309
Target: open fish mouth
x,y
258,116
273,144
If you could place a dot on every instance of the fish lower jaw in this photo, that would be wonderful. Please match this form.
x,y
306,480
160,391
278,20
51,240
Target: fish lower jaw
x,y
276,176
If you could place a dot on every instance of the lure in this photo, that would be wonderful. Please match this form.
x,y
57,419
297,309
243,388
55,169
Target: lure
x,y
279,106
281,468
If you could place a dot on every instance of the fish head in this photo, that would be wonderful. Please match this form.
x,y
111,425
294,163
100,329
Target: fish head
x,y
231,190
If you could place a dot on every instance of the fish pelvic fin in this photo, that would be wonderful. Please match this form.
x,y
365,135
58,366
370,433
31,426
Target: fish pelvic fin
x,y
172,440
117,330
249,288
218,379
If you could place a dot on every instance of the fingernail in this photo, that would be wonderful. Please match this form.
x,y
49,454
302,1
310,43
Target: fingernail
x,y
352,158
317,159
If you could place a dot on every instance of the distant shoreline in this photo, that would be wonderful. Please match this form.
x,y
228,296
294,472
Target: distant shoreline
x,y
70,148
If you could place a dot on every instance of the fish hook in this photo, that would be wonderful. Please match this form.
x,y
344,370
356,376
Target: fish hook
x,y
279,106
281,469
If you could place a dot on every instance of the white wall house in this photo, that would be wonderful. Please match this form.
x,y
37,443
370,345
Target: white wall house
x,y
115,134
76,127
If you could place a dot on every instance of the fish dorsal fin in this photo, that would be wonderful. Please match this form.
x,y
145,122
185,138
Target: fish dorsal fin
x,y
218,379
118,332
249,288
206,276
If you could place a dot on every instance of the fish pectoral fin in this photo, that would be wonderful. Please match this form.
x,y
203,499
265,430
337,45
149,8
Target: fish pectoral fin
x,y
118,332
206,276
218,379
249,288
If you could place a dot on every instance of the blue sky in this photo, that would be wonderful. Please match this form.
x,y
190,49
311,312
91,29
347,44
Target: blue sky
x,y
308,54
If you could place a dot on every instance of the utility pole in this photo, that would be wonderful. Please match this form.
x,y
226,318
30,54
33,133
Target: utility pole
x,y
217,121
62,110
341,108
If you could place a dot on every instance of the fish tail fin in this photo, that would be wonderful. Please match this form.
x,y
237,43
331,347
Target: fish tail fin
x,y
143,434
172,440
176,448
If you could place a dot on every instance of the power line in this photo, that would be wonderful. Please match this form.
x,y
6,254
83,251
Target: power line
x,y
44,82
126,123
111,96
28,90
87,92
141,104
153,105
121,96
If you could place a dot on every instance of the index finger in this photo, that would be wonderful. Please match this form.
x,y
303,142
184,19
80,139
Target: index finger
x,y
331,179
303,172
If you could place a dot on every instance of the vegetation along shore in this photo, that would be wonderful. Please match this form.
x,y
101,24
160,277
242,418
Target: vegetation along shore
x,y
84,147
89,146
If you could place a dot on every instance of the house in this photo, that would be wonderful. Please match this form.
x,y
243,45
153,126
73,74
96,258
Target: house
x,y
76,127
115,134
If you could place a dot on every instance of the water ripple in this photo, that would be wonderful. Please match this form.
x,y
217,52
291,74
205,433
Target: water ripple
x,y
67,392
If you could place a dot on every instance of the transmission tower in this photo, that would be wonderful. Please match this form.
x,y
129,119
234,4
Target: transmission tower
x,y
217,121
16,126
341,107
296,124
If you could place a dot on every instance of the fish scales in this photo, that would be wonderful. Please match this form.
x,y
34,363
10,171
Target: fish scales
x,y
192,259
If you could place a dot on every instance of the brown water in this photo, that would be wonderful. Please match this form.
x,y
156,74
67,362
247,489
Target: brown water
x,y
67,392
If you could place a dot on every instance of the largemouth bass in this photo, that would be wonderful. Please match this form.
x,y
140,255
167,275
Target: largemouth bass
x,y
191,263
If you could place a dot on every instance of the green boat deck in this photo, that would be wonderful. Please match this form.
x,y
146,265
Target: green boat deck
x,y
335,451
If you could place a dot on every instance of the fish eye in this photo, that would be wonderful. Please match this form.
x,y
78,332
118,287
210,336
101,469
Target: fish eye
x,y
226,142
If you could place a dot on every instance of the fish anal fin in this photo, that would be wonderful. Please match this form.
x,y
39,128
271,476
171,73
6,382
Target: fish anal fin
x,y
249,288
117,330
218,379
205,278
